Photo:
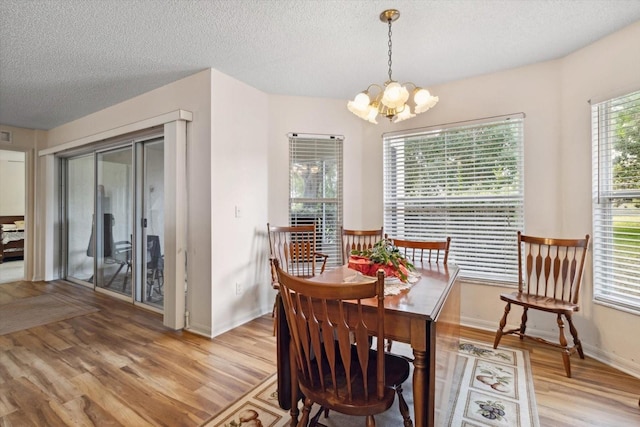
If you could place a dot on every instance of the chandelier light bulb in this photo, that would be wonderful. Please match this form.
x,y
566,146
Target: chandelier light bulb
x,y
392,101
421,96
395,96
362,100
391,94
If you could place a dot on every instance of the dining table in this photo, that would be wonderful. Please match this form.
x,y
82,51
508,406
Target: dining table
x,y
425,315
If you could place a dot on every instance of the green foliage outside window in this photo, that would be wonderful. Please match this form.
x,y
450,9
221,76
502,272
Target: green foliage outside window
x,y
479,161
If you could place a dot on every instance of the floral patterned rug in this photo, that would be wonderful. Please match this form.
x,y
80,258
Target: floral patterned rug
x,y
495,389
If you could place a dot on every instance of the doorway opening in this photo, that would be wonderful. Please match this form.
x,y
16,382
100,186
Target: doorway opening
x,y
12,215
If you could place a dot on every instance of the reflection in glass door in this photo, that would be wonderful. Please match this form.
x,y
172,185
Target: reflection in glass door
x,y
114,220
151,184
79,208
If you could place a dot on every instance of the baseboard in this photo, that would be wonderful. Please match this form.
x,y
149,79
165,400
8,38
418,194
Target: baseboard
x,y
221,328
624,365
202,330
608,358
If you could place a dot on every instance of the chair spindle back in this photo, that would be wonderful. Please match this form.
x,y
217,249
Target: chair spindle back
x,y
553,267
358,240
330,346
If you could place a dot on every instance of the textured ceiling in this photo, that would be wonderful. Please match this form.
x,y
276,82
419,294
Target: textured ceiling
x,y
63,59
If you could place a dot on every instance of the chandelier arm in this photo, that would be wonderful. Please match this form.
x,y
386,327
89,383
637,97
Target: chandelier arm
x,y
375,85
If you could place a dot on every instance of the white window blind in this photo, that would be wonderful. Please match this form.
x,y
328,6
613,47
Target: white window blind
x,y
616,201
315,189
464,181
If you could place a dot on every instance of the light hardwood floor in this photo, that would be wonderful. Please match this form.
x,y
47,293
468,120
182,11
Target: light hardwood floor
x,y
120,366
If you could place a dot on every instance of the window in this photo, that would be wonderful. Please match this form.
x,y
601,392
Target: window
x,y
616,201
315,189
464,181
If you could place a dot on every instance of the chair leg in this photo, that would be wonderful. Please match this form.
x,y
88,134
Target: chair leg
x,y
314,420
114,276
566,361
305,413
404,408
565,351
523,323
503,322
371,422
574,334
126,276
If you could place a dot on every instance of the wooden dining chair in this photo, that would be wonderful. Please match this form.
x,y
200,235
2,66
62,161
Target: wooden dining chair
x,y
295,249
549,276
436,251
430,251
334,364
358,240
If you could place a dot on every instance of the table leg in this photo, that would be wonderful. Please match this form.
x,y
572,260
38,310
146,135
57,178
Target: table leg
x,y
294,390
420,386
283,360
288,394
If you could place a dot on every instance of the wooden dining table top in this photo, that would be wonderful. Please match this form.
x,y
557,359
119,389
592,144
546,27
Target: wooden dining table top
x,y
423,298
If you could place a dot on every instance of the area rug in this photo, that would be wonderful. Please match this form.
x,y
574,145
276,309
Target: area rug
x,y
495,389
25,313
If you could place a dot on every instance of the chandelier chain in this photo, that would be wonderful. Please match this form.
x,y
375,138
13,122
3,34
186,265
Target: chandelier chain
x,y
390,79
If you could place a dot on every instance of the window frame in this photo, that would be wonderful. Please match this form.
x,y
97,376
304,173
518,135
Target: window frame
x,y
476,255
613,253
327,229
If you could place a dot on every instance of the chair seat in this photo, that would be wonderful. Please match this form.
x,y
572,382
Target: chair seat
x,y
540,302
397,371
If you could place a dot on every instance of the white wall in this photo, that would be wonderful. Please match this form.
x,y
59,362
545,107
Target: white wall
x,y
553,95
239,255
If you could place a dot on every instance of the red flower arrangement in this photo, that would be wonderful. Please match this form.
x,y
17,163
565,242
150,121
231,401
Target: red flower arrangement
x,y
383,255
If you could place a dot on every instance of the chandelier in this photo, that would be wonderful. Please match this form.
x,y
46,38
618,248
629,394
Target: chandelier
x,y
393,101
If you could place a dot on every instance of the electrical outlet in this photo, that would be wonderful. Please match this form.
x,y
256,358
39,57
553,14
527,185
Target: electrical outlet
x,y
238,212
238,289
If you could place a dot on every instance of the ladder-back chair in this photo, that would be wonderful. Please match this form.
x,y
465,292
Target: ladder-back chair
x,y
549,276
423,251
333,364
358,240
436,251
295,249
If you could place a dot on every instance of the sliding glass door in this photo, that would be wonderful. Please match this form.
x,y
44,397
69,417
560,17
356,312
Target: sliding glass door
x,y
80,173
151,254
114,210
114,228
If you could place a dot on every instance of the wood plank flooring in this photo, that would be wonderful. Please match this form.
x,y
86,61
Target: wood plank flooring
x,y
120,367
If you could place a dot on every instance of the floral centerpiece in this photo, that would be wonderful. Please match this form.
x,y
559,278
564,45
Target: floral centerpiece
x,y
383,255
